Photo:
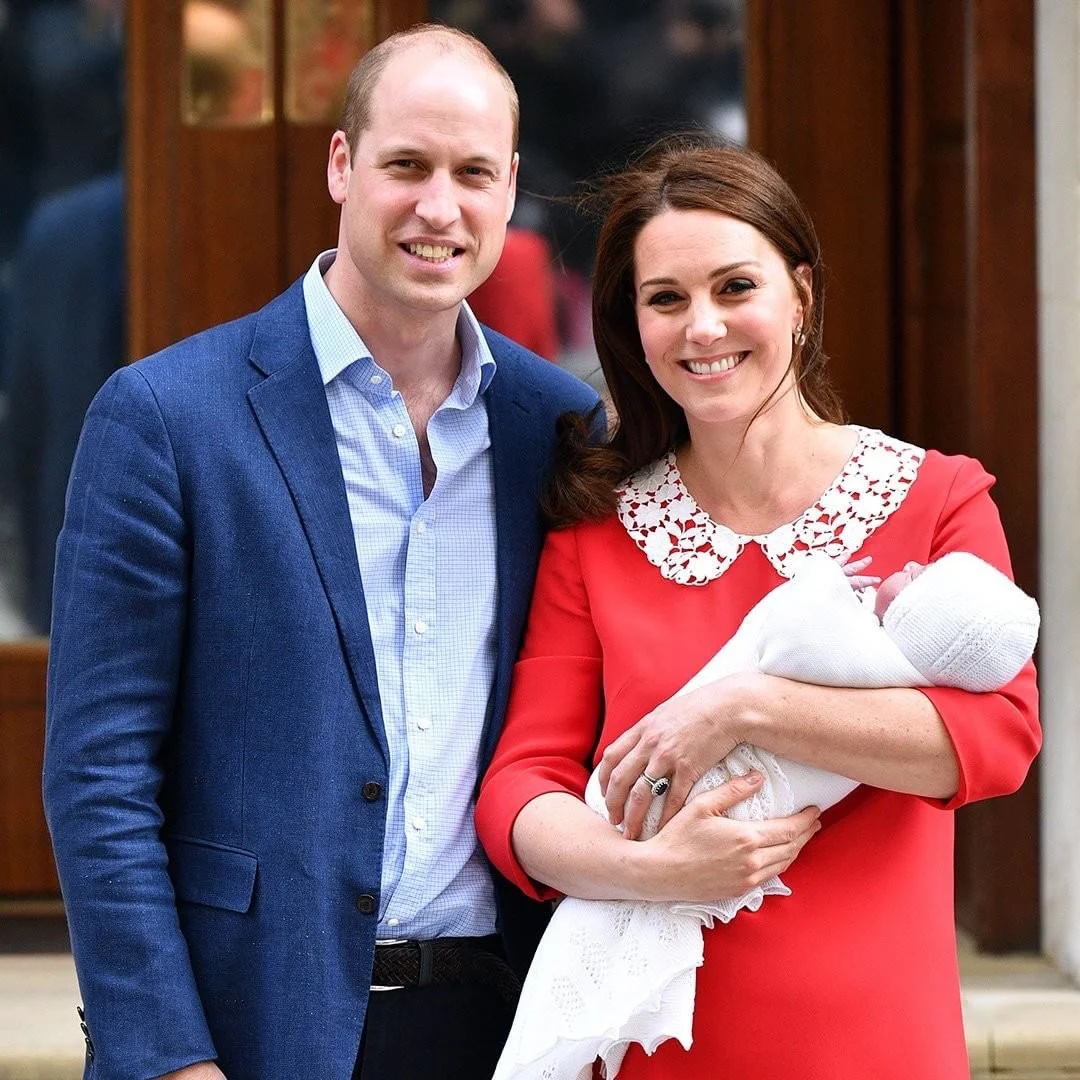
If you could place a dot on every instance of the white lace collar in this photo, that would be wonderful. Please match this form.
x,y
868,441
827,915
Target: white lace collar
x,y
689,548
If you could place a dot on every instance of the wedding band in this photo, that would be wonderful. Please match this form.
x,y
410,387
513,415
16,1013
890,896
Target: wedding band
x,y
658,785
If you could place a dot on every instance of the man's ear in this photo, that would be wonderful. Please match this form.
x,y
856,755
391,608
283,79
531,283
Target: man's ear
x,y
339,167
511,196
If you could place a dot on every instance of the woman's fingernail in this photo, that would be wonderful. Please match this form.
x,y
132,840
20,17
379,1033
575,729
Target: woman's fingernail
x,y
753,779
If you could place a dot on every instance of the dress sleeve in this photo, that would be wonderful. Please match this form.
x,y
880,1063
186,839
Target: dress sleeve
x,y
555,710
996,735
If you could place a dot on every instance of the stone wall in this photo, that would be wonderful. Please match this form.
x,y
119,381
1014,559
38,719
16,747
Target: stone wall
x,y
1057,55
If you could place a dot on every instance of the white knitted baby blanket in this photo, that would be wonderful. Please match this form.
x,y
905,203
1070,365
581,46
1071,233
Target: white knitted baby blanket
x,y
612,972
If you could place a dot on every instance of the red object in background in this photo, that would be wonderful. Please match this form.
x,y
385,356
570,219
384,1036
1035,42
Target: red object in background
x,y
518,299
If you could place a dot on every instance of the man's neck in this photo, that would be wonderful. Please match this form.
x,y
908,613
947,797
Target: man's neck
x,y
419,350
421,354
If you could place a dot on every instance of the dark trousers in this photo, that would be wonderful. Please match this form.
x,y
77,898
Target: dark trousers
x,y
451,1032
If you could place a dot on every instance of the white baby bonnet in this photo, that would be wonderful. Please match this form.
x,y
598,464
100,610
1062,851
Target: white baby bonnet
x,y
963,623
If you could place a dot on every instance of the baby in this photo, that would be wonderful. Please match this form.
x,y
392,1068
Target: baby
x,y
611,972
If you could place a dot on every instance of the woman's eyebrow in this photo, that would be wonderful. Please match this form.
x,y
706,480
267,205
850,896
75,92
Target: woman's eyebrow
x,y
718,272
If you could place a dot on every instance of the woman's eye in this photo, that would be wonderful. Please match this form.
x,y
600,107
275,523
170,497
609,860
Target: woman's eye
x,y
738,286
663,299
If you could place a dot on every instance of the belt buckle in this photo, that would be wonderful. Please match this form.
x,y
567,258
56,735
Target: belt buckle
x,y
389,941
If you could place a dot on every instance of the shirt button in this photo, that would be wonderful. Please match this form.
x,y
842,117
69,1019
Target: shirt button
x,y
420,626
365,904
423,723
376,380
421,527
393,922
371,790
398,430
418,823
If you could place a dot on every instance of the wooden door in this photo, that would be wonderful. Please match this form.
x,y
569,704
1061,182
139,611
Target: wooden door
x,y
222,218
907,126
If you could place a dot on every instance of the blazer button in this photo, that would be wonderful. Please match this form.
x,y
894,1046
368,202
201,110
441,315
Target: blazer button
x,y
371,790
365,904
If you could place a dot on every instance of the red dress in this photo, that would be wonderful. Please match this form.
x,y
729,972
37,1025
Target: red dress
x,y
854,976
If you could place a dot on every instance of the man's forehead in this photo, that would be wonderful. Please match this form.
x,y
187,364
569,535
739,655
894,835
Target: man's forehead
x,y
422,57
451,92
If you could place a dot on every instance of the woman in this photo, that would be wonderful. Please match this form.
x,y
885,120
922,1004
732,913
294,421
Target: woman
x,y
731,461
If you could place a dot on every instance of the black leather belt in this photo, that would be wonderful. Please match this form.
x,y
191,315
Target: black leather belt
x,y
400,965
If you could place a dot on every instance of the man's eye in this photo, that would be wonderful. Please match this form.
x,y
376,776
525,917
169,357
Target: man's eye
x,y
404,163
477,172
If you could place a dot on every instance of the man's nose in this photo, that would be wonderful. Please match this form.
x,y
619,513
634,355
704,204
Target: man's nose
x,y
437,204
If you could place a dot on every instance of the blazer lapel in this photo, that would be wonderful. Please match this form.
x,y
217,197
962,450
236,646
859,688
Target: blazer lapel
x,y
290,406
519,457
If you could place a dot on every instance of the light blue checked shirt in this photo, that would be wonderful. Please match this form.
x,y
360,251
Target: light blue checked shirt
x,y
428,568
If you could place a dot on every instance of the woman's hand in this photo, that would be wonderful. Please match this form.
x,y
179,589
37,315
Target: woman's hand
x,y
681,740
703,854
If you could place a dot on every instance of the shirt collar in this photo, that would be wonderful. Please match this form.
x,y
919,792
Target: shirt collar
x,y
337,345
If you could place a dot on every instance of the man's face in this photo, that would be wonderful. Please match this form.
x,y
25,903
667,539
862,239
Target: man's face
x,y
427,195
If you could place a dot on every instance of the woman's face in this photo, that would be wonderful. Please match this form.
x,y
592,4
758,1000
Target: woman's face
x,y
716,311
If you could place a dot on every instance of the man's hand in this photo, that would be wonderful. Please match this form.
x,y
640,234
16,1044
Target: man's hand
x,y
203,1070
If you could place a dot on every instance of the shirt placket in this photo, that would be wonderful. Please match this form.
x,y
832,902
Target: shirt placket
x,y
419,660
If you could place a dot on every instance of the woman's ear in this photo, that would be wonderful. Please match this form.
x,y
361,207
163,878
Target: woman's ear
x,y
804,286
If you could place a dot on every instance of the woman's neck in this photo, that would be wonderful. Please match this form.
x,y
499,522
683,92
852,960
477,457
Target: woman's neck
x,y
755,479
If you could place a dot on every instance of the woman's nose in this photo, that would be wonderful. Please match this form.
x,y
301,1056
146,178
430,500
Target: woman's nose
x,y
706,325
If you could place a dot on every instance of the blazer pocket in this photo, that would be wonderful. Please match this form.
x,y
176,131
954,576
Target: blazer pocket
x,y
212,874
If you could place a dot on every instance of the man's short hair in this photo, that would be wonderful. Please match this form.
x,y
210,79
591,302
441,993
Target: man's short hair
x,y
445,39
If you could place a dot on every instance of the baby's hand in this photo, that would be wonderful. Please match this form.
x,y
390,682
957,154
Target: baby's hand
x,y
856,580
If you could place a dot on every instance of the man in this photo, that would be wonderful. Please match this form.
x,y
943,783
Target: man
x,y
293,575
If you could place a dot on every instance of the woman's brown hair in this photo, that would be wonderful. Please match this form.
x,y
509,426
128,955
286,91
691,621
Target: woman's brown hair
x,y
679,173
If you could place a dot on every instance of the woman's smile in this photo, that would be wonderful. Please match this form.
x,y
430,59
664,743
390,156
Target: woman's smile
x,y
716,365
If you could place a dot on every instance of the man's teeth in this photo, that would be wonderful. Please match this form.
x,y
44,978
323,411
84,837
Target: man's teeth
x,y
435,252
704,367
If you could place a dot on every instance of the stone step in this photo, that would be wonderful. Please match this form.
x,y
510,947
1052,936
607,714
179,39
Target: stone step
x,y
39,1028
1022,1019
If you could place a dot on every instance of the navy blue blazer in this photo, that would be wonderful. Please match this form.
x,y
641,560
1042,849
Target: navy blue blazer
x,y
213,709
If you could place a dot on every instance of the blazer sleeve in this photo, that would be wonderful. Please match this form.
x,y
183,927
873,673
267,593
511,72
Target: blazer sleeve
x,y
119,613
996,735
555,709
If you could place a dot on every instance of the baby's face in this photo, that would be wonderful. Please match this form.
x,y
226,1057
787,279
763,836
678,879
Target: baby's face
x,y
894,584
